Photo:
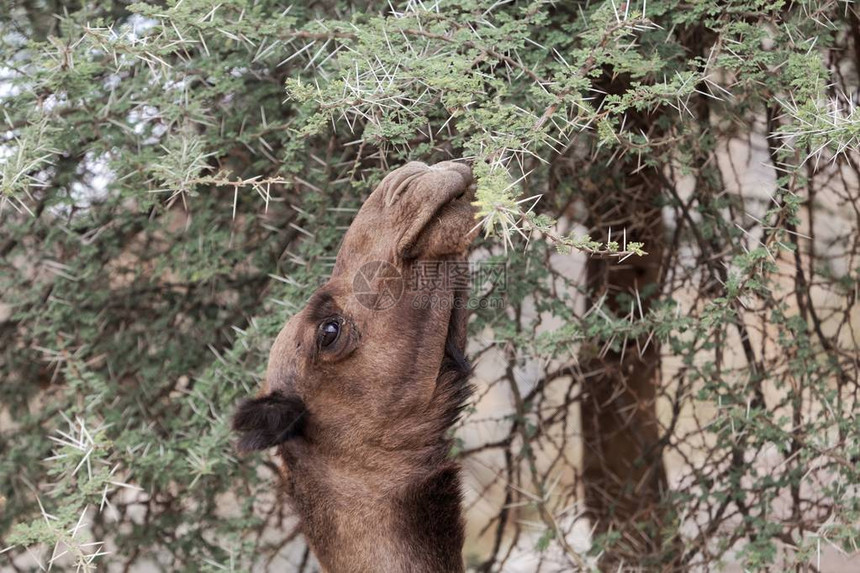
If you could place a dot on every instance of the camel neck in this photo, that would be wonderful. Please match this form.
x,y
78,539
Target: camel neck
x,y
381,521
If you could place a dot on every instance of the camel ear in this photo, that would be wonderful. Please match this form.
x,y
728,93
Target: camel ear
x,y
268,421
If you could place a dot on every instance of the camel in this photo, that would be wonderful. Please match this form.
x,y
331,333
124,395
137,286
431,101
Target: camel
x,y
359,397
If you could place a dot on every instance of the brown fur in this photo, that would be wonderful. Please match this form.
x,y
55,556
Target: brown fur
x,y
361,425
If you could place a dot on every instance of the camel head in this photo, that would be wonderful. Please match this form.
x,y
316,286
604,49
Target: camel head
x,y
369,362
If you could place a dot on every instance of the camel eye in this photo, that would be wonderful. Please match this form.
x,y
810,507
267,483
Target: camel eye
x,y
329,331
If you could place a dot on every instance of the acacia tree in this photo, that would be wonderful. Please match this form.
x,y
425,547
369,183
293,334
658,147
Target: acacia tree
x,y
175,180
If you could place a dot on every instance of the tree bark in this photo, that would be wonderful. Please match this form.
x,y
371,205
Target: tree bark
x,y
623,474
623,470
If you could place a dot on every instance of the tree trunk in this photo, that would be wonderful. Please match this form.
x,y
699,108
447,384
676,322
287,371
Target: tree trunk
x,y
623,472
